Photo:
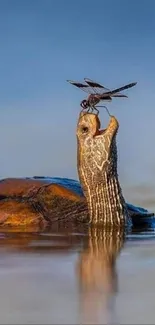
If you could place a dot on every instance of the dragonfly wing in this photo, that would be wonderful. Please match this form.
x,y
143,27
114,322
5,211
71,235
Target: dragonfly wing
x,y
119,95
117,90
96,87
81,86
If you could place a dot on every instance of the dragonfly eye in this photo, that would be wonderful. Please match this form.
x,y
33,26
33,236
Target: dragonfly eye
x,y
84,104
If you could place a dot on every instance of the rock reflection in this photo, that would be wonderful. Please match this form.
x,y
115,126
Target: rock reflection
x,y
98,276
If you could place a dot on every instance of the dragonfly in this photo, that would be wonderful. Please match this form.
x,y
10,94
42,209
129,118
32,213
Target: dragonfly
x,y
98,93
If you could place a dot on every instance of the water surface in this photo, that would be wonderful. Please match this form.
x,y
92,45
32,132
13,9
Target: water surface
x,y
72,275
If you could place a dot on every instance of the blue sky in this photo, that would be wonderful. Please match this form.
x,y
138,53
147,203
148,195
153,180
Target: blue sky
x,y
43,43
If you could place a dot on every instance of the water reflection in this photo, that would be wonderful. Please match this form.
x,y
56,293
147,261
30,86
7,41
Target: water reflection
x,y
94,270
58,238
98,276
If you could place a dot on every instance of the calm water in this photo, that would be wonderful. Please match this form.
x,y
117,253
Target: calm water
x,y
77,276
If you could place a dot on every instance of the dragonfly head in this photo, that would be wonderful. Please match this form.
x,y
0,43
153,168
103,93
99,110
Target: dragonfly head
x,y
84,104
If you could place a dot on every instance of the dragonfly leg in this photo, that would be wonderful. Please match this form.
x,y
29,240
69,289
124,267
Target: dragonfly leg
x,y
106,109
88,110
95,109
